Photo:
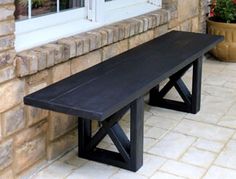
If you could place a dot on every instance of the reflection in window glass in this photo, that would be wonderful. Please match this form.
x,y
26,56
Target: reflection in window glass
x,y
70,4
43,7
21,11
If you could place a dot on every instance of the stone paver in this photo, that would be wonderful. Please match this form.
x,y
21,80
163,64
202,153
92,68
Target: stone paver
x,y
198,157
162,122
127,174
57,170
209,145
227,157
203,130
161,175
220,173
176,145
182,169
172,145
151,164
93,170
155,132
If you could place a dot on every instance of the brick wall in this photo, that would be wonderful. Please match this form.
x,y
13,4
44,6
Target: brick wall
x,y
30,136
10,100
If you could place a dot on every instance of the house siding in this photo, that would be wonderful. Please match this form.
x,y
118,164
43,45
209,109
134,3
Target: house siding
x,y
29,137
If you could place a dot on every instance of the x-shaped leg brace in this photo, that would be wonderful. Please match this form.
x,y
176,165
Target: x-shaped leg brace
x,y
191,102
130,154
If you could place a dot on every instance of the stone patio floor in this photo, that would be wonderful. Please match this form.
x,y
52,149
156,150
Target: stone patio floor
x,y
177,145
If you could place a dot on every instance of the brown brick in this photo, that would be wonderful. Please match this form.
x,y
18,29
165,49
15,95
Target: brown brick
x,y
104,35
69,45
86,42
83,62
28,61
176,28
40,77
0,129
187,9
59,124
37,81
79,46
141,24
11,94
7,73
157,19
50,55
29,153
58,52
115,33
186,26
115,49
42,60
7,12
7,28
195,25
110,35
7,42
151,21
173,23
79,42
62,145
7,174
61,71
22,66
13,120
7,57
95,40
144,20
158,31
30,133
121,31
140,39
35,115
133,27
165,16
6,155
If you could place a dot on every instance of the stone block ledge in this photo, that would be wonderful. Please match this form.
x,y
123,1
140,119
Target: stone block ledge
x,y
34,60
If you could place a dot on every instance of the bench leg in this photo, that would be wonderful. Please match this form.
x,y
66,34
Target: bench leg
x,y
130,155
191,102
136,135
196,85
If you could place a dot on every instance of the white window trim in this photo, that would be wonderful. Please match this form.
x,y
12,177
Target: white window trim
x,y
97,13
46,21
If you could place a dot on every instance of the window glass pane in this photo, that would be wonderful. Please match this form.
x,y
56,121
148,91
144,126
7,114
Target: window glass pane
x,y
70,4
41,7
21,11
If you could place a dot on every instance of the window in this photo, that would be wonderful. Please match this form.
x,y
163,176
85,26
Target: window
x,y
42,21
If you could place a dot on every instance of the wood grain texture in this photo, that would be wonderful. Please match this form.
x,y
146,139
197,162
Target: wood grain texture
x,y
102,90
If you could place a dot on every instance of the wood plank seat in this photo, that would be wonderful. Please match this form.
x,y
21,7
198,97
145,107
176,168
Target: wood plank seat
x,y
108,90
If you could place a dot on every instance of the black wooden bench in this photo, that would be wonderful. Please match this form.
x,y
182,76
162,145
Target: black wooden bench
x,y
106,91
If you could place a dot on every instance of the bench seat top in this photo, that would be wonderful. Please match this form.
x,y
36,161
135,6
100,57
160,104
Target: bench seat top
x,y
103,89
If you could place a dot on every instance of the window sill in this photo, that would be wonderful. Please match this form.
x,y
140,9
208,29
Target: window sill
x,y
115,15
36,59
36,38
28,40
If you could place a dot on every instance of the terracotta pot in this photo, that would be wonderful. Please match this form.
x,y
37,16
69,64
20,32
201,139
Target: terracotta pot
x,y
226,50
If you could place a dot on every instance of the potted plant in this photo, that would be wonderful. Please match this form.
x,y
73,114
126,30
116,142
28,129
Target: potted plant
x,y
223,22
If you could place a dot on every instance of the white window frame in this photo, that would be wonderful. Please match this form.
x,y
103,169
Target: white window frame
x,y
96,13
